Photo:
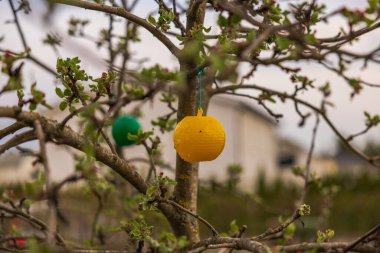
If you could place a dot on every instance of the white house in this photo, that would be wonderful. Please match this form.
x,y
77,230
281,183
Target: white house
x,y
251,141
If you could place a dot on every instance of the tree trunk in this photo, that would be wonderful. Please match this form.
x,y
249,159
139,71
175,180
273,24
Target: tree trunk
x,y
186,190
187,173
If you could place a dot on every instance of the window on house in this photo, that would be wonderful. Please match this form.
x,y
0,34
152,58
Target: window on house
x,y
286,161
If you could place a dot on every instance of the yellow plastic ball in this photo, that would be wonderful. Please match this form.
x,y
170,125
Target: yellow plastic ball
x,y
199,138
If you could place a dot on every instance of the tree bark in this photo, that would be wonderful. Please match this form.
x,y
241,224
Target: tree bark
x,y
186,190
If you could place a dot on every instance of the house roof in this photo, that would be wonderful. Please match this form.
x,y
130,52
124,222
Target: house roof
x,y
246,104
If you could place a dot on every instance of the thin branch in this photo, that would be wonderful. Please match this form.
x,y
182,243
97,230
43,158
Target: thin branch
x,y
69,137
350,36
19,29
256,247
17,140
362,238
52,209
24,43
41,64
325,247
276,116
177,22
144,160
247,53
352,136
31,220
283,95
108,141
226,242
280,228
308,161
214,231
98,211
11,129
151,162
239,235
67,180
119,11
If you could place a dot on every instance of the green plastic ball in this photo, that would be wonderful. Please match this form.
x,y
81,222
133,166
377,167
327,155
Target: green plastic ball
x,y
122,127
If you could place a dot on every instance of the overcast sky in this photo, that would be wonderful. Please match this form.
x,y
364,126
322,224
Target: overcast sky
x,y
347,114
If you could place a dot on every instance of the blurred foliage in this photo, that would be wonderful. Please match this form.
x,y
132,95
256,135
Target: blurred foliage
x,y
270,203
259,210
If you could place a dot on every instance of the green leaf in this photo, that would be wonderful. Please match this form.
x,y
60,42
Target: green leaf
x,y
222,21
152,20
298,171
289,232
32,106
59,92
234,228
20,94
325,236
151,191
63,105
207,30
282,43
67,92
310,38
235,19
314,17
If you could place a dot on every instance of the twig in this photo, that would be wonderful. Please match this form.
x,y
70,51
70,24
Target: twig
x,y
71,138
24,43
325,247
352,136
239,235
226,242
362,238
214,231
11,129
17,22
37,223
308,161
283,95
144,160
151,162
125,14
97,215
280,228
17,140
52,219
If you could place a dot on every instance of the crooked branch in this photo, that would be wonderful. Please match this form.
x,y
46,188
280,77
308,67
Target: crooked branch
x,y
121,12
283,95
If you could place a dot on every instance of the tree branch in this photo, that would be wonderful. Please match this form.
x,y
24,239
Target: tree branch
x,y
308,161
24,43
67,136
11,129
32,220
283,95
119,11
280,228
362,238
52,208
214,231
17,140
324,247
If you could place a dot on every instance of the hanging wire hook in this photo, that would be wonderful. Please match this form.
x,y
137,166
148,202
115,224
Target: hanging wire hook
x,y
200,74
